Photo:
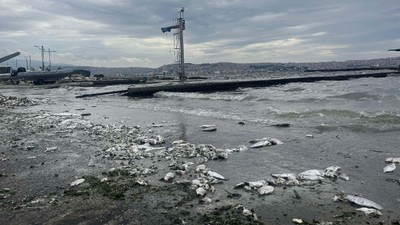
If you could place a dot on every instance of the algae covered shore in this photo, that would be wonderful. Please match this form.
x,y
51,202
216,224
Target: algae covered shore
x,y
64,162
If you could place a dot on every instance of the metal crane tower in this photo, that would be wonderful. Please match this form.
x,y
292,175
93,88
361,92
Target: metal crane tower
x,y
180,26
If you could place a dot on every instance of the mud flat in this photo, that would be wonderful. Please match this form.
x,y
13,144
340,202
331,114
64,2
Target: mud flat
x,y
61,168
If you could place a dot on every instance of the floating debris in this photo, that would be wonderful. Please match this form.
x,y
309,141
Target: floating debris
x,y
51,149
77,182
297,221
86,114
357,200
281,125
369,211
392,160
261,144
210,127
267,141
309,135
389,168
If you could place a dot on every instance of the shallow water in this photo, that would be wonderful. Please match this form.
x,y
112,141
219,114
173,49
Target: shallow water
x,y
355,124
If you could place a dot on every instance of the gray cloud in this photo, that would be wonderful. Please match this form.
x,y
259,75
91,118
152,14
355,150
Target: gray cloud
x,y
127,32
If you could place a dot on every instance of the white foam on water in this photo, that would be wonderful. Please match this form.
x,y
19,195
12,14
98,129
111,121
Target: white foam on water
x,y
204,96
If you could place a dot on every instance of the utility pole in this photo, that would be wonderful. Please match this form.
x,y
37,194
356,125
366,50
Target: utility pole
x,y
42,50
180,25
50,59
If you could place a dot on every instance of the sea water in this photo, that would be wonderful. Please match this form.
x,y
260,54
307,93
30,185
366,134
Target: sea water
x,y
355,124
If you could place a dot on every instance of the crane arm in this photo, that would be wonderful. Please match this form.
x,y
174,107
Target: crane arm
x,y
5,58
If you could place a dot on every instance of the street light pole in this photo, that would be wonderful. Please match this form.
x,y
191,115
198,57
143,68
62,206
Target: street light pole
x,y
42,50
50,59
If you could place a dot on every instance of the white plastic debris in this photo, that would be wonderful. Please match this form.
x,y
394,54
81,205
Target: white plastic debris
x,y
392,160
51,149
358,200
215,175
257,184
369,211
200,191
344,176
201,168
169,176
210,127
309,136
264,190
389,168
247,212
289,176
331,171
311,175
275,141
141,181
261,144
77,182
297,221
241,148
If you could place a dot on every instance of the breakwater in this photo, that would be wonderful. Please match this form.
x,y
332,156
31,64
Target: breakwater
x,y
224,85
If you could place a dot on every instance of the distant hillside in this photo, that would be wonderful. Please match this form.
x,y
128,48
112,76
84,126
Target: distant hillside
x,y
257,69
119,71
233,70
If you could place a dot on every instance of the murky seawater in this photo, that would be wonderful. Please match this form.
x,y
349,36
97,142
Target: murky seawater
x,y
355,124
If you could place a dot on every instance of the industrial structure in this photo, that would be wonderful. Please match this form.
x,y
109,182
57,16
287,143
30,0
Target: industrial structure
x,y
180,26
7,69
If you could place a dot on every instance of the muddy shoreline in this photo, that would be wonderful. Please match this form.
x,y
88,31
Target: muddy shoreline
x,y
42,153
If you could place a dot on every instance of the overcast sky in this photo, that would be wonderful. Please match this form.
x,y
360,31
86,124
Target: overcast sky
x,y
126,33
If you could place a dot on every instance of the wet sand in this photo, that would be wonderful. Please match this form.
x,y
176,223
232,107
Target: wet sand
x,y
39,190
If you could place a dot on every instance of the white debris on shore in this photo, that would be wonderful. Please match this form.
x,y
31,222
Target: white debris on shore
x,y
130,143
392,160
261,186
209,127
12,101
77,182
392,165
267,141
389,168
370,207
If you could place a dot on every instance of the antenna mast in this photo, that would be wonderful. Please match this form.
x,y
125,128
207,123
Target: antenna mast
x,y
180,26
